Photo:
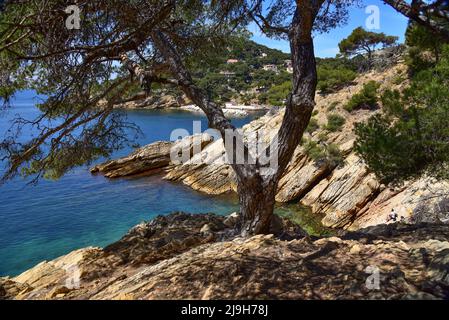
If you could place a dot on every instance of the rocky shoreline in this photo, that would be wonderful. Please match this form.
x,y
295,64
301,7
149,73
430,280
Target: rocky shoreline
x,y
184,256
200,256
348,195
168,102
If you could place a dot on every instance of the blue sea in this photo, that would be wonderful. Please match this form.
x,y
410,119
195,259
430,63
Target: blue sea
x,y
47,220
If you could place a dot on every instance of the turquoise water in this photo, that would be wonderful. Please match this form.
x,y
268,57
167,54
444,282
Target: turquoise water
x,y
52,218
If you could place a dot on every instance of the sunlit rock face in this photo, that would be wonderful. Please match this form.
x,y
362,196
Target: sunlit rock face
x,y
197,256
348,195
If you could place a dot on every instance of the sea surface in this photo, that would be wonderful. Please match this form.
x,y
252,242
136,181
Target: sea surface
x,y
47,220
44,221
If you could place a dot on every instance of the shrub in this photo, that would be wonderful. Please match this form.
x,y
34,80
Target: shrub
x,y
367,97
329,154
332,106
323,136
333,79
277,94
313,150
410,138
334,122
312,126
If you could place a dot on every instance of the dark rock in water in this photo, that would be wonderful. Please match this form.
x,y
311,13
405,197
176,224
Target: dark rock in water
x,y
151,102
164,237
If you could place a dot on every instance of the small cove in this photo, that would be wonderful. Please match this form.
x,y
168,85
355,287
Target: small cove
x,y
52,218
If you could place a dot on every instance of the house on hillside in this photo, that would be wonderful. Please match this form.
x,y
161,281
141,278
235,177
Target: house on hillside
x,y
270,67
231,61
288,66
263,55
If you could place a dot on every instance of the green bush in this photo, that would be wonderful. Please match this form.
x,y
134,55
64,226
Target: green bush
x,y
411,138
277,94
323,136
335,122
424,48
313,150
330,154
367,98
333,79
312,126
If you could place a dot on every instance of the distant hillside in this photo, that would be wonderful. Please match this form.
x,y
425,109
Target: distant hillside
x,y
251,73
246,72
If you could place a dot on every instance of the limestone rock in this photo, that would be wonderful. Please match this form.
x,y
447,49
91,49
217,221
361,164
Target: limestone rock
x,y
344,193
348,196
156,260
150,158
151,102
232,219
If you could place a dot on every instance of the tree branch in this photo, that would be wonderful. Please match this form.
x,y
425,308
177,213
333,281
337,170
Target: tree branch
x,y
421,14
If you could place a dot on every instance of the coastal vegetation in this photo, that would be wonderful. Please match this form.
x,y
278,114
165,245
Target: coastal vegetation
x,y
334,122
356,140
410,138
126,45
366,98
363,43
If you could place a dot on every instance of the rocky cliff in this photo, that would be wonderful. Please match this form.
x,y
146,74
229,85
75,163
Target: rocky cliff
x,y
184,256
348,195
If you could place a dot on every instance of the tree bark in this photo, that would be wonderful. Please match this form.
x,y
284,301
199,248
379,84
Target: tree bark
x,y
301,101
257,201
257,192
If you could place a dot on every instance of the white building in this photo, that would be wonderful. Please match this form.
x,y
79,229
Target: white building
x,y
270,67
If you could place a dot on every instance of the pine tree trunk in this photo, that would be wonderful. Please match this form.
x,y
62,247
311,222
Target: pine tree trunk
x,y
256,207
256,192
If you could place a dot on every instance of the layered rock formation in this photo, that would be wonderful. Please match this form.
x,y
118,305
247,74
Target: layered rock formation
x,y
349,195
152,102
151,158
183,256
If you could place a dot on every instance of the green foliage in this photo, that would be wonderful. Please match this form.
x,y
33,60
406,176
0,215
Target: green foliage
x,y
312,126
333,105
277,94
416,61
322,153
362,41
367,98
323,136
412,137
224,81
333,79
314,150
398,79
424,47
247,98
334,122
335,73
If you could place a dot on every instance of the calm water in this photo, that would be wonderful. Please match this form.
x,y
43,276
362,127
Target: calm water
x,y
48,220
53,218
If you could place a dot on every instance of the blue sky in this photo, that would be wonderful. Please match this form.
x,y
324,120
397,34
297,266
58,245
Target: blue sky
x,y
326,45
